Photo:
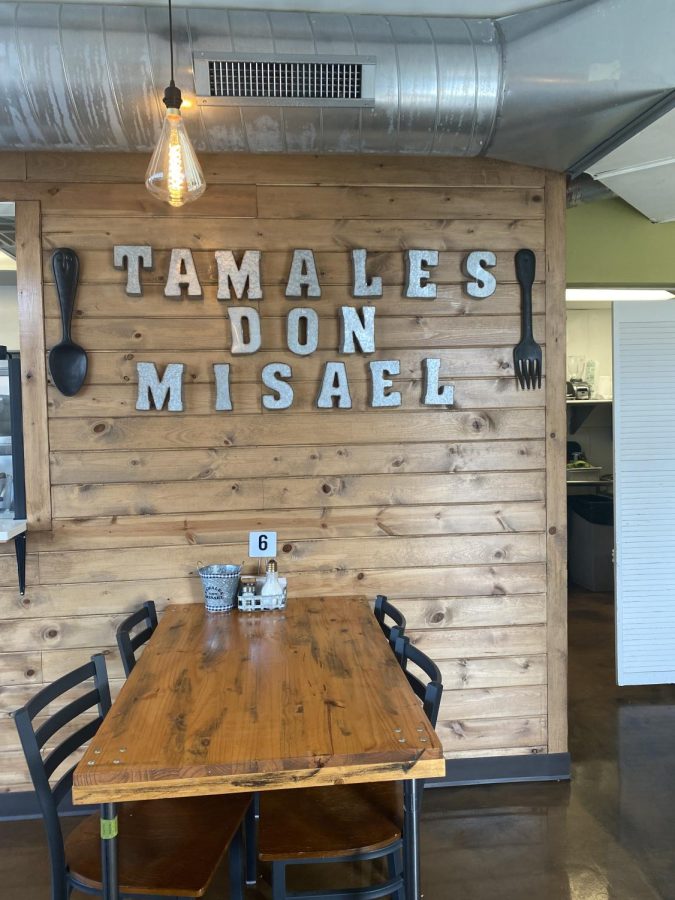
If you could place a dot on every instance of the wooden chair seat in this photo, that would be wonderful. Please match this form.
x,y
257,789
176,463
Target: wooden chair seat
x,y
330,821
165,847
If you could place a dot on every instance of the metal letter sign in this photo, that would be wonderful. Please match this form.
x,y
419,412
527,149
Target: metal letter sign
x,y
182,273
248,273
272,376
134,256
239,276
474,267
151,386
419,285
356,330
303,275
244,319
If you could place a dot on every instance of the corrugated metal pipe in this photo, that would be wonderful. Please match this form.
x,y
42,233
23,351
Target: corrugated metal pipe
x,y
542,87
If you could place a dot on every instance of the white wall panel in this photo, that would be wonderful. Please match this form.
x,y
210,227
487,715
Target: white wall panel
x,y
644,471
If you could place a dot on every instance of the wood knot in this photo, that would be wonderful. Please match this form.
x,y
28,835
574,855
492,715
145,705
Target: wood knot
x,y
360,576
287,548
99,428
327,489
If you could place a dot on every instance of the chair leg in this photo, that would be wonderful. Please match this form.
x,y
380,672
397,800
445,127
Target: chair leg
x,y
278,881
395,868
236,867
251,841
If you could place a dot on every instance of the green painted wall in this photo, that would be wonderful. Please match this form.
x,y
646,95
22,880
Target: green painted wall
x,y
610,243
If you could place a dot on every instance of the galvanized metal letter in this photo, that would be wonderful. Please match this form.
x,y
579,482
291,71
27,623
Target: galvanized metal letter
x,y
356,330
150,385
245,329
272,376
364,286
182,273
134,256
311,319
474,267
303,275
334,385
379,370
418,284
434,395
223,399
245,278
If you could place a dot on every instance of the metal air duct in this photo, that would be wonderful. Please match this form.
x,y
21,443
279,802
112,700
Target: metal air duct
x,y
542,87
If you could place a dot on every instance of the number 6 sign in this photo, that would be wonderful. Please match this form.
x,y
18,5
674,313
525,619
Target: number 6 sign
x,y
262,543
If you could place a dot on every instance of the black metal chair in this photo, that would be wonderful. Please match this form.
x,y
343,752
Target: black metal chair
x,y
346,823
166,848
128,645
430,691
385,610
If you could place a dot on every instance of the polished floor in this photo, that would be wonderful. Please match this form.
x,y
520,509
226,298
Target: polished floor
x,y
609,835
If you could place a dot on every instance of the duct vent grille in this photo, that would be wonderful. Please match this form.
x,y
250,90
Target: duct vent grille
x,y
282,79
285,80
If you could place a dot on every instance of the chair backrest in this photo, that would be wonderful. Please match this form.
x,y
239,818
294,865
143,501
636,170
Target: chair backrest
x,y
429,691
33,740
146,616
385,610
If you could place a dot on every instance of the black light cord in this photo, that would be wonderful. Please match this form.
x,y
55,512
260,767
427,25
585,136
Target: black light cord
x,y
171,38
172,95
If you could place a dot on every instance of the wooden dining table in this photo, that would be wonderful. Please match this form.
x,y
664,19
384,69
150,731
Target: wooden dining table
x,y
220,703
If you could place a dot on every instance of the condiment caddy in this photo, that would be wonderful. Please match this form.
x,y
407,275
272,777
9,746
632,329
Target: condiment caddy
x,y
263,593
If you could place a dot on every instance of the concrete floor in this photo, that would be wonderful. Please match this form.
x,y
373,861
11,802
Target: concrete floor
x,y
606,836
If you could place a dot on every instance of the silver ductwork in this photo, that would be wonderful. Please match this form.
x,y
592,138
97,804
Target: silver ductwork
x,y
542,87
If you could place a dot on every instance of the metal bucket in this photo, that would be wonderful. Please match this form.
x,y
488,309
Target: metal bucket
x,y
220,584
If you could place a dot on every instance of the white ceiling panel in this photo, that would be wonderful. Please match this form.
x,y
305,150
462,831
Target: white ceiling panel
x,y
642,170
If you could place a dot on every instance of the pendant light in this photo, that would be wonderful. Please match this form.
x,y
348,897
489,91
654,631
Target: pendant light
x,y
174,173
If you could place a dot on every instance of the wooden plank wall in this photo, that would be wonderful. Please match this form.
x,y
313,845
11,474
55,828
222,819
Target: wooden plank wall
x,y
443,510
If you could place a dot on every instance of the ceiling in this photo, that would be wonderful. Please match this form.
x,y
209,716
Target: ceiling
x,y
641,170
462,8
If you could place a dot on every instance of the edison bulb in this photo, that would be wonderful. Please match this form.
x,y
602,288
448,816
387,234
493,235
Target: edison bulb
x,y
174,173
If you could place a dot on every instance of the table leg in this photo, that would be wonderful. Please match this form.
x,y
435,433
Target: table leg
x,y
411,840
109,851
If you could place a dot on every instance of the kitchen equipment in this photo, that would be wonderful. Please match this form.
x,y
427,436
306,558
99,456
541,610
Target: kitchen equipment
x,y
527,354
577,390
67,361
575,367
587,473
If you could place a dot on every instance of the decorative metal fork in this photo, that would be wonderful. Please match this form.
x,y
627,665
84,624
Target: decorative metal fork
x,y
527,354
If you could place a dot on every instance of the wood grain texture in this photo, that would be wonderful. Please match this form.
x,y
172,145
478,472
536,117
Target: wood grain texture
x,y
296,168
12,167
95,233
110,300
181,432
447,511
293,493
556,435
129,200
110,466
33,366
292,202
333,709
